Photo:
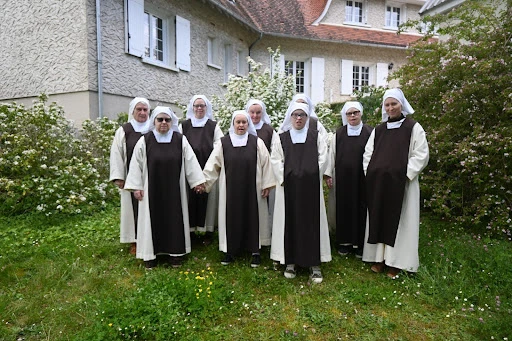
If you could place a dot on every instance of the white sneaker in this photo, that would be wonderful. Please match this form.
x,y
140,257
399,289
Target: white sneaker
x,y
316,274
290,271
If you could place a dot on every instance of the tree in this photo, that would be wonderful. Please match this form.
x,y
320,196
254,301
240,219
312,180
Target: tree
x,y
462,91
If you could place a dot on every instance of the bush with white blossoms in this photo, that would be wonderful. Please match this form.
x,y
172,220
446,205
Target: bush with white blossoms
x,y
47,166
462,92
272,86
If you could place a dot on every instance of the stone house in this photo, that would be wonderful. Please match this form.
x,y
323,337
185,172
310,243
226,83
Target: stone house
x,y
93,56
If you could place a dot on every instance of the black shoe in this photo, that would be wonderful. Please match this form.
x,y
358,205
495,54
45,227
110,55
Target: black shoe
x,y
150,264
344,250
176,261
359,252
228,259
256,261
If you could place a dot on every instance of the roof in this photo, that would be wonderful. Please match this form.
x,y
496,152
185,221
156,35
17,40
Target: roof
x,y
295,18
438,6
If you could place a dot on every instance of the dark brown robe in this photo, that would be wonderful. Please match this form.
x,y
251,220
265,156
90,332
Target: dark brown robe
x,y
301,195
131,138
386,177
201,141
350,186
164,169
242,215
265,133
313,123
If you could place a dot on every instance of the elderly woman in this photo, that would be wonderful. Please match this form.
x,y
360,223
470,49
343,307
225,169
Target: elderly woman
x,y
202,132
300,235
241,163
346,161
120,155
395,155
163,163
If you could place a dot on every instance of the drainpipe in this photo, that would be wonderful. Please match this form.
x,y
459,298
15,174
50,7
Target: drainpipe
x,y
99,60
254,43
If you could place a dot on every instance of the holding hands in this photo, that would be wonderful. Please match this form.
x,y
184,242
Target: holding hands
x,y
200,188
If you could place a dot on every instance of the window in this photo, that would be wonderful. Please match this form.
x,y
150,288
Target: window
x,y
228,61
360,76
213,53
354,12
157,37
393,16
296,68
153,37
241,65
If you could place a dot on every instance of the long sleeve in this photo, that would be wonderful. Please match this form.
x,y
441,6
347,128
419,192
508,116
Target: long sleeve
x,y
323,156
332,157
277,161
218,134
267,175
213,166
135,177
418,152
193,171
118,156
368,151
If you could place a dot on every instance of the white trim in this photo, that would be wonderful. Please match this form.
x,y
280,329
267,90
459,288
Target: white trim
x,y
158,63
326,9
183,44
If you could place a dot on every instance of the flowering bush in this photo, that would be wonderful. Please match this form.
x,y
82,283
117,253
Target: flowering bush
x,y
272,87
45,167
462,94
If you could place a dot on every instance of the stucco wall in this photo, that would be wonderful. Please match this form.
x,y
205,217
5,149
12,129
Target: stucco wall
x,y
127,75
44,47
332,53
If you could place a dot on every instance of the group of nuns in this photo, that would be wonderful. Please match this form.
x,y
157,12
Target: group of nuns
x,y
265,188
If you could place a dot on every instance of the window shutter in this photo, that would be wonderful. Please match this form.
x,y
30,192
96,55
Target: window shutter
x,y
346,76
317,79
382,74
182,43
134,14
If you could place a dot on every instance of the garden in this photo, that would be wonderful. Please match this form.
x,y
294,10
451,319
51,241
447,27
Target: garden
x,y
65,276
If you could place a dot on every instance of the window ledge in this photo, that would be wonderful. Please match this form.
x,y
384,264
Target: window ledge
x,y
214,66
390,28
358,24
159,64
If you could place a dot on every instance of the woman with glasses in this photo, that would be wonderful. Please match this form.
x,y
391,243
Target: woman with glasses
x,y
346,180
162,166
394,156
241,164
313,122
300,235
202,132
120,155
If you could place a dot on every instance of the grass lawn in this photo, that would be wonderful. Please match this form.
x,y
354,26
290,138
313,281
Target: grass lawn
x,y
71,279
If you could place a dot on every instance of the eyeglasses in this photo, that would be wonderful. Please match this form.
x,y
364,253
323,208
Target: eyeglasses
x,y
199,106
161,119
353,113
297,115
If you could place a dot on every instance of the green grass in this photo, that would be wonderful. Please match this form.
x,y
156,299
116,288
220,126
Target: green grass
x,y
70,279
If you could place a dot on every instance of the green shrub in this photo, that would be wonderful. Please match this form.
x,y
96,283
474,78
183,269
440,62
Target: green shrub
x,y
462,94
45,167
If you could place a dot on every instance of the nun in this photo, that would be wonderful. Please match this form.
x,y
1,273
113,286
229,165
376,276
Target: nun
x,y
121,152
346,180
300,234
162,165
394,156
241,164
259,117
202,132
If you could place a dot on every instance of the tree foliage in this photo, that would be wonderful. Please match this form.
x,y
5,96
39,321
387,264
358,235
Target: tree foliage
x,y
462,91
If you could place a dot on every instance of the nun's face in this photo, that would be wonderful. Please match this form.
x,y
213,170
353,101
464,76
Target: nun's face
x,y
141,112
393,107
163,123
199,108
353,116
240,124
299,118
255,111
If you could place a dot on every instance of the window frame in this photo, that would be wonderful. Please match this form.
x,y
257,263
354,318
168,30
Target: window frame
x,y
388,20
291,68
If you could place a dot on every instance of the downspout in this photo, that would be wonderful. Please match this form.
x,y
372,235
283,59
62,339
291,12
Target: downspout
x,y
254,43
99,60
